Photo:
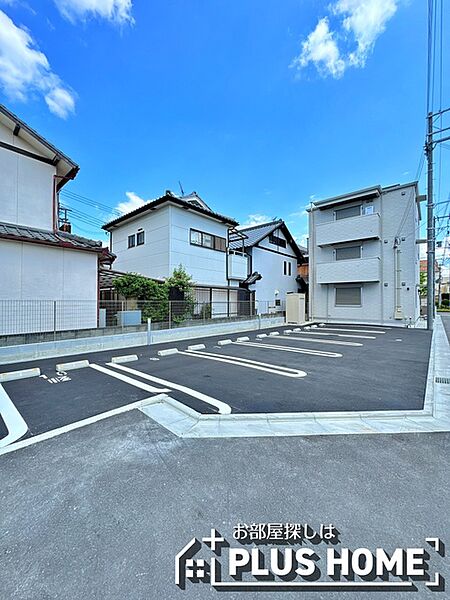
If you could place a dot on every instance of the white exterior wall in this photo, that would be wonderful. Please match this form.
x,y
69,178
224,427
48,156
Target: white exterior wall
x,y
206,266
269,263
26,186
167,245
152,258
378,297
35,276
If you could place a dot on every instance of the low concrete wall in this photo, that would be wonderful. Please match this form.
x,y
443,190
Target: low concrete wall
x,y
27,352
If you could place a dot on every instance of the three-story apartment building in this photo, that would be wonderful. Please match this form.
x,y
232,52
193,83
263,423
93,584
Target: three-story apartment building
x,y
364,256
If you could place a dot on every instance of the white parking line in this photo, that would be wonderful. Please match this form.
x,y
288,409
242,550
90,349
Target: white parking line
x,y
222,407
336,342
345,335
12,418
354,330
287,349
245,362
139,384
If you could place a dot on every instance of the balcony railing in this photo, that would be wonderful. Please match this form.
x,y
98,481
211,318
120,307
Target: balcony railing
x,y
347,230
349,271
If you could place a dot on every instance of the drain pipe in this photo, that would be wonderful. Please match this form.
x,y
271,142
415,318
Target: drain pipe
x,y
398,312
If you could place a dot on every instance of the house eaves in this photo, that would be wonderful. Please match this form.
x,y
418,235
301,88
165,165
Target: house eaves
x,y
45,151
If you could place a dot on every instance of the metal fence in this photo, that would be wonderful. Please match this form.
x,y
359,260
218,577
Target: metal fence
x,y
24,321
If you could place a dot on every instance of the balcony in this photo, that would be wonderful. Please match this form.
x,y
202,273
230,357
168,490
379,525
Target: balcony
x,y
237,265
349,271
363,227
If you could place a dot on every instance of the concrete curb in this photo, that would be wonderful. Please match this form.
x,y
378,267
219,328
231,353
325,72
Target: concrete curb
x,y
22,374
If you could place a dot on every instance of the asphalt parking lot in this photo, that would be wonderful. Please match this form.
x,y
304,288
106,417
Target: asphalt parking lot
x,y
101,512
334,368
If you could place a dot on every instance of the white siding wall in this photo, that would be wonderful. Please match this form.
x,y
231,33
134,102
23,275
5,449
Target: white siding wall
x,y
269,263
167,245
152,258
378,298
33,274
206,266
26,186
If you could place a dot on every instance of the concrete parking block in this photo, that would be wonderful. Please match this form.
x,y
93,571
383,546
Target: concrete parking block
x,y
244,338
261,335
224,342
70,366
196,347
167,352
125,358
22,374
272,333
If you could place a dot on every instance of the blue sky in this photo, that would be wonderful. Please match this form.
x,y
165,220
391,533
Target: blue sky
x,y
258,106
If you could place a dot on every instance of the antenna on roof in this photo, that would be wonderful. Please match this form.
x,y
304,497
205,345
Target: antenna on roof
x,y
181,188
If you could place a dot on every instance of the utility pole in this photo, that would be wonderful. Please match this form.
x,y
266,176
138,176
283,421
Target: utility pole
x,y
431,231
430,225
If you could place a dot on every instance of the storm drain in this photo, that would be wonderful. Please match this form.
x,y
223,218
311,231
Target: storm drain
x,y
442,380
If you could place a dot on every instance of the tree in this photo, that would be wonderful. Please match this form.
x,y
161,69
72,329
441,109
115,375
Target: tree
x,y
181,281
154,296
423,284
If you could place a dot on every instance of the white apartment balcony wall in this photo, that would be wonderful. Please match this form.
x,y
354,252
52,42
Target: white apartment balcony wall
x,y
347,230
349,271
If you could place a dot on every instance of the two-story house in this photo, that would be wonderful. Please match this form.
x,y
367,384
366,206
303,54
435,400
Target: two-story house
x,y
364,256
273,259
48,277
172,230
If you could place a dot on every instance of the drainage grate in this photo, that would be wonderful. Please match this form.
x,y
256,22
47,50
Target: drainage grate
x,y
442,380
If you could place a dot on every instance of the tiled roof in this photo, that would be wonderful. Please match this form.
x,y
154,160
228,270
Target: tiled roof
x,y
168,197
58,238
254,234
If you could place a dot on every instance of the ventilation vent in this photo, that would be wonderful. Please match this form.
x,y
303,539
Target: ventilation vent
x,y
445,380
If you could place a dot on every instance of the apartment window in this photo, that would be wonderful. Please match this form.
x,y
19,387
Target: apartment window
x,y
287,267
140,238
348,296
277,240
345,213
131,241
207,240
348,252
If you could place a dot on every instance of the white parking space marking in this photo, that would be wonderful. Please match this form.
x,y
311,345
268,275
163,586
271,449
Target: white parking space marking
x,y
78,424
354,330
245,362
139,384
345,335
15,424
288,349
336,342
222,407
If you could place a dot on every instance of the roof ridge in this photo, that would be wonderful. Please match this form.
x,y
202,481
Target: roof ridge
x,y
260,225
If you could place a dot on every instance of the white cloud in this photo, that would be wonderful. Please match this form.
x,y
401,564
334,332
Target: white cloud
x,y
134,201
25,70
360,22
302,240
256,219
117,11
320,48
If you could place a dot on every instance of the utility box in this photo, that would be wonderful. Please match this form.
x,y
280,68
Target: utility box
x,y
295,309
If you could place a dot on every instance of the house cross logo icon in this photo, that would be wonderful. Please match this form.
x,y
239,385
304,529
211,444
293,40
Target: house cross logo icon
x,y
292,556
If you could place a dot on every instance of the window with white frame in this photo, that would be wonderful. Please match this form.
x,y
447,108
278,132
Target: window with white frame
x,y
348,296
347,252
